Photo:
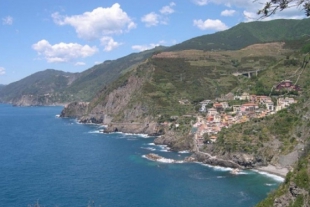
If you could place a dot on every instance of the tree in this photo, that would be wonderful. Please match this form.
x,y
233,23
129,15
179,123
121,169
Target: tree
x,y
272,6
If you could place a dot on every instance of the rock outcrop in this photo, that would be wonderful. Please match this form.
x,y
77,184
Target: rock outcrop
x,y
288,198
75,110
206,158
174,140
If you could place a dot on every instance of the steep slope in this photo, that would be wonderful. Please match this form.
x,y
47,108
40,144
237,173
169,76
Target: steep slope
x,y
170,85
161,97
245,34
56,87
94,79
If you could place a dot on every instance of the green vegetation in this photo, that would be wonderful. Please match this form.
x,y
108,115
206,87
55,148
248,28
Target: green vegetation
x,y
246,34
298,179
67,87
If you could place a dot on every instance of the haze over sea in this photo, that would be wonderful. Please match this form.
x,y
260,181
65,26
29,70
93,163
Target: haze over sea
x,y
59,162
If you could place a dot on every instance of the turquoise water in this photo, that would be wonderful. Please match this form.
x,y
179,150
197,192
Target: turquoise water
x,y
59,162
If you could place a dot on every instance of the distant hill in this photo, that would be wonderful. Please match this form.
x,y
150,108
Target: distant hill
x,y
245,34
43,83
51,87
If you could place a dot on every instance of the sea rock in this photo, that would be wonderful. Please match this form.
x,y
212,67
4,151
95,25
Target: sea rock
x,y
156,157
150,128
213,160
75,110
177,142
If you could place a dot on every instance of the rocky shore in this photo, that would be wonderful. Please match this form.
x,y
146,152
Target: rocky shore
x,y
174,140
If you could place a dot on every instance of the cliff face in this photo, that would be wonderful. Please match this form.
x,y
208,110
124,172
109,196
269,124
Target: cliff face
x,y
75,110
118,107
176,141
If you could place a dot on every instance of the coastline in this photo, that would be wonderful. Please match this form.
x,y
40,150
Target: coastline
x,y
271,169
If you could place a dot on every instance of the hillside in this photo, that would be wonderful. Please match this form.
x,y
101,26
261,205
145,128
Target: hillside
x,y
94,79
171,84
42,88
245,34
51,87
161,96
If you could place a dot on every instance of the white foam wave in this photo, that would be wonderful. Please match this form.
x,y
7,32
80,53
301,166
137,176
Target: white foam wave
x,y
57,115
163,160
269,184
164,148
132,134
218,168
151,144
243,173
274,177
220,177
184,152
149,148
94,132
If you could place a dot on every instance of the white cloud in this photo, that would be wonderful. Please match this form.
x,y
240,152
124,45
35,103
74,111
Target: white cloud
x,y
109,43
250,9
97,23
79,64
168,9
151,19
63,52
201,2
2,70
144,47
211,24
228,12
7,20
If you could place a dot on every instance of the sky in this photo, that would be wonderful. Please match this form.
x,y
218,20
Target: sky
x,y
74,35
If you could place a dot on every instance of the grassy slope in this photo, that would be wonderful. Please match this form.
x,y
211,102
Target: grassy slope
x,y
95,78
246,34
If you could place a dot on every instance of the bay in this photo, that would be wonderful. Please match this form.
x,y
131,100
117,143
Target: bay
x,y
58,162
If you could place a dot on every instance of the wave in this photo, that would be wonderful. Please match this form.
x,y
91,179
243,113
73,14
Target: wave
x,y
270,184
273,176
184,152
220,177
151,144
225,169
217,168
57,115
164,148
149,148
95,132
164,160
133,134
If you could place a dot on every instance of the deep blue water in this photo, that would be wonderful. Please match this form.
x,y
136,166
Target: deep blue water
x,y
59,162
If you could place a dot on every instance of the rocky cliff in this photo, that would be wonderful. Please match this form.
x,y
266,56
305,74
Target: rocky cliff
x,y
75,110
118,107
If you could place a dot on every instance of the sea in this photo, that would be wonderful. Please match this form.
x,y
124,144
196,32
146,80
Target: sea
x,y
54,161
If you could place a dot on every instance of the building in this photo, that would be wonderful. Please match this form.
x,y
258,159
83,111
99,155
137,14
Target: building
x,y
248,107
287,85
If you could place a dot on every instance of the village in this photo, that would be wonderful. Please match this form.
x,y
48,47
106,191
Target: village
x,y
214,115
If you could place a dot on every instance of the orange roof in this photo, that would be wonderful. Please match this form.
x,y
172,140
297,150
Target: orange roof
x,y
249,104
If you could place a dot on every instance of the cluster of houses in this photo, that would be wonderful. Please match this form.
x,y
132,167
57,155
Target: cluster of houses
x,y
287,85
221,114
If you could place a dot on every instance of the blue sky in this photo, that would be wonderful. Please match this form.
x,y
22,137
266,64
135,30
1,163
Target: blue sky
x,y
74,35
